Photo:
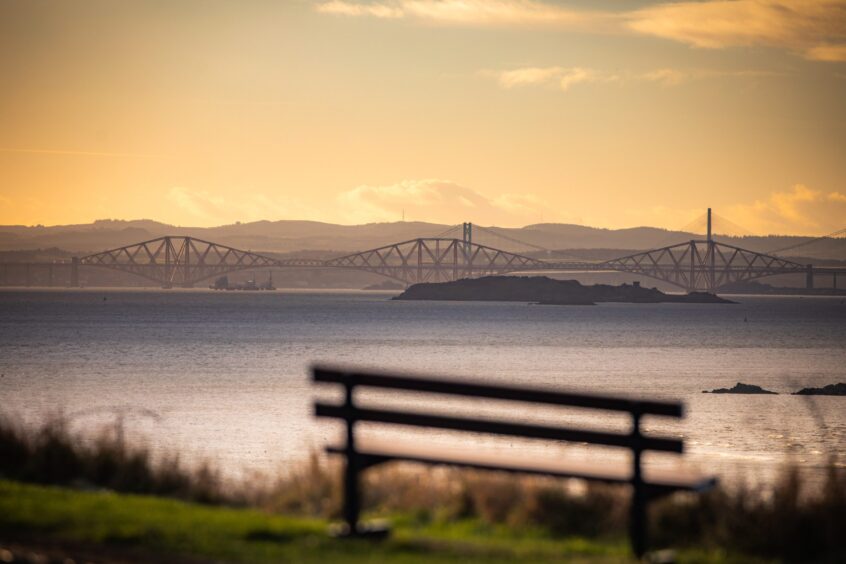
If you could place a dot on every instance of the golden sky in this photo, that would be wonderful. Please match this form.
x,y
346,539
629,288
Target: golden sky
x,y
507,112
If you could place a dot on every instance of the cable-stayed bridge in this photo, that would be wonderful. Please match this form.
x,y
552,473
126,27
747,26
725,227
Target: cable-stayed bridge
x,y
695,265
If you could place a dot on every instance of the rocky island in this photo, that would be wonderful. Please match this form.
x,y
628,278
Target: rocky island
x,y
830,390
740,388
545,290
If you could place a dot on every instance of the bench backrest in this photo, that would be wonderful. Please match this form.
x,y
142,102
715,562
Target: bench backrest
x,y
634,440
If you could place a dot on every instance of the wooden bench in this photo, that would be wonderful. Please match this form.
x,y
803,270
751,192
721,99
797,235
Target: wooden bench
x,y
647,485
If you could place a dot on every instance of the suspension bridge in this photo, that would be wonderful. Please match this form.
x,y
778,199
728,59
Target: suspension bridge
x,y
695,265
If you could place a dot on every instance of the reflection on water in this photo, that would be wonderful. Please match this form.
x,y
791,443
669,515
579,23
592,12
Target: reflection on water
x,y
228,372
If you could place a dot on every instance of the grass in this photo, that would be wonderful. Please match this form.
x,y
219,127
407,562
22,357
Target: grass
x,y
51,454
159,528
440,514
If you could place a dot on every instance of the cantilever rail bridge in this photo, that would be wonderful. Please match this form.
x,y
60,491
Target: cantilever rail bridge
x,y
696,265
182,261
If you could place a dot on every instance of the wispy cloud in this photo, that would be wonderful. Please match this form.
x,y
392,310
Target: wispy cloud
x,y
525,76
81,153
563,78
814,29
798,210
675,77
473,12
828,53
213,209
376,10
438,201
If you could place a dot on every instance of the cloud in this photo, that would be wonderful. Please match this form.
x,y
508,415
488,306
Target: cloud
x,y
814,29
560,77
376,10
798,210
438,201
471,12
214,209
675,77
526,76
667,77
564,78
421,200
828,53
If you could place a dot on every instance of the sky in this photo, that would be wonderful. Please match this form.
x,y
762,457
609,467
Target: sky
x,y
608,113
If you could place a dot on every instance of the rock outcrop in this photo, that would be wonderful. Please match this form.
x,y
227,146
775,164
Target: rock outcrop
x,y
740,388
838,389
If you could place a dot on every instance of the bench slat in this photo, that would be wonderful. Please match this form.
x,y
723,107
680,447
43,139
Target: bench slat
x,y
416,419
444,386
619,473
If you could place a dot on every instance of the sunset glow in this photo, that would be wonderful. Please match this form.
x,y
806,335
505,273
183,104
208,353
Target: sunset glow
x,y
500,112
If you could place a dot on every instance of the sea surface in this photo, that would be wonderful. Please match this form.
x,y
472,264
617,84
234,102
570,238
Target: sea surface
x,y
224,376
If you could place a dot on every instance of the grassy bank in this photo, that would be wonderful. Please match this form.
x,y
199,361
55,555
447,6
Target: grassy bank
x,y
436,510
146,528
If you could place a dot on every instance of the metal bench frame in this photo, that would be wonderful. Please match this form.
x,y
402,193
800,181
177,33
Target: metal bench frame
x,y
358,459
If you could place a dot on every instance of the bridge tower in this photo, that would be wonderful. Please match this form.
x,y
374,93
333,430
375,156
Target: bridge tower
x,y
467,238
168,249
712,279
468,234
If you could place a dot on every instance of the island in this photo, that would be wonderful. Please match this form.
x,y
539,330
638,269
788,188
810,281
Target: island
x,y
838,389
741,388
547,291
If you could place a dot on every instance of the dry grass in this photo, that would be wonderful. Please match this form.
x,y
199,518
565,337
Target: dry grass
x,y
52,454
787,520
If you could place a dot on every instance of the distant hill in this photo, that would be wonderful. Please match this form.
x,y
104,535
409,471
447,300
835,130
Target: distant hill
x,y
298,236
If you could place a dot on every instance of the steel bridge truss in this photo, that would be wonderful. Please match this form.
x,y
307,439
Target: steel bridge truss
x,y
693,266
703,265
183,261
435,260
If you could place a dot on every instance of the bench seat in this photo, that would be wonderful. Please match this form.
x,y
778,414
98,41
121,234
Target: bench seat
x,y
374,451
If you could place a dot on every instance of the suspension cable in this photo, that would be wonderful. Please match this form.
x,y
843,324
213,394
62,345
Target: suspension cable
x,y
831,235
512,239
450,230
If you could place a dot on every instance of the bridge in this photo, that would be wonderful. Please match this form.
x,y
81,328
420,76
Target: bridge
x,y
695,265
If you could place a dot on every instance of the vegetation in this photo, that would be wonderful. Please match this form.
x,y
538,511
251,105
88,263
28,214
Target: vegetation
x,y
449,513
50,454
126,527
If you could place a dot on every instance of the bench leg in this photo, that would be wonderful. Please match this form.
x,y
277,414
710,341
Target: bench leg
x,y
638,517
352,503
638,521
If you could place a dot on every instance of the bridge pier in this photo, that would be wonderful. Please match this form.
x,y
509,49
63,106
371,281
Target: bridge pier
x,y
809,277
74,275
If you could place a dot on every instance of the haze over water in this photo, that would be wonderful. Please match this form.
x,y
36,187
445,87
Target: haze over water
x,y
228,372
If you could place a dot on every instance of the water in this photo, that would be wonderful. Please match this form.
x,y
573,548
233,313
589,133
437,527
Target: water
x,y
227,373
